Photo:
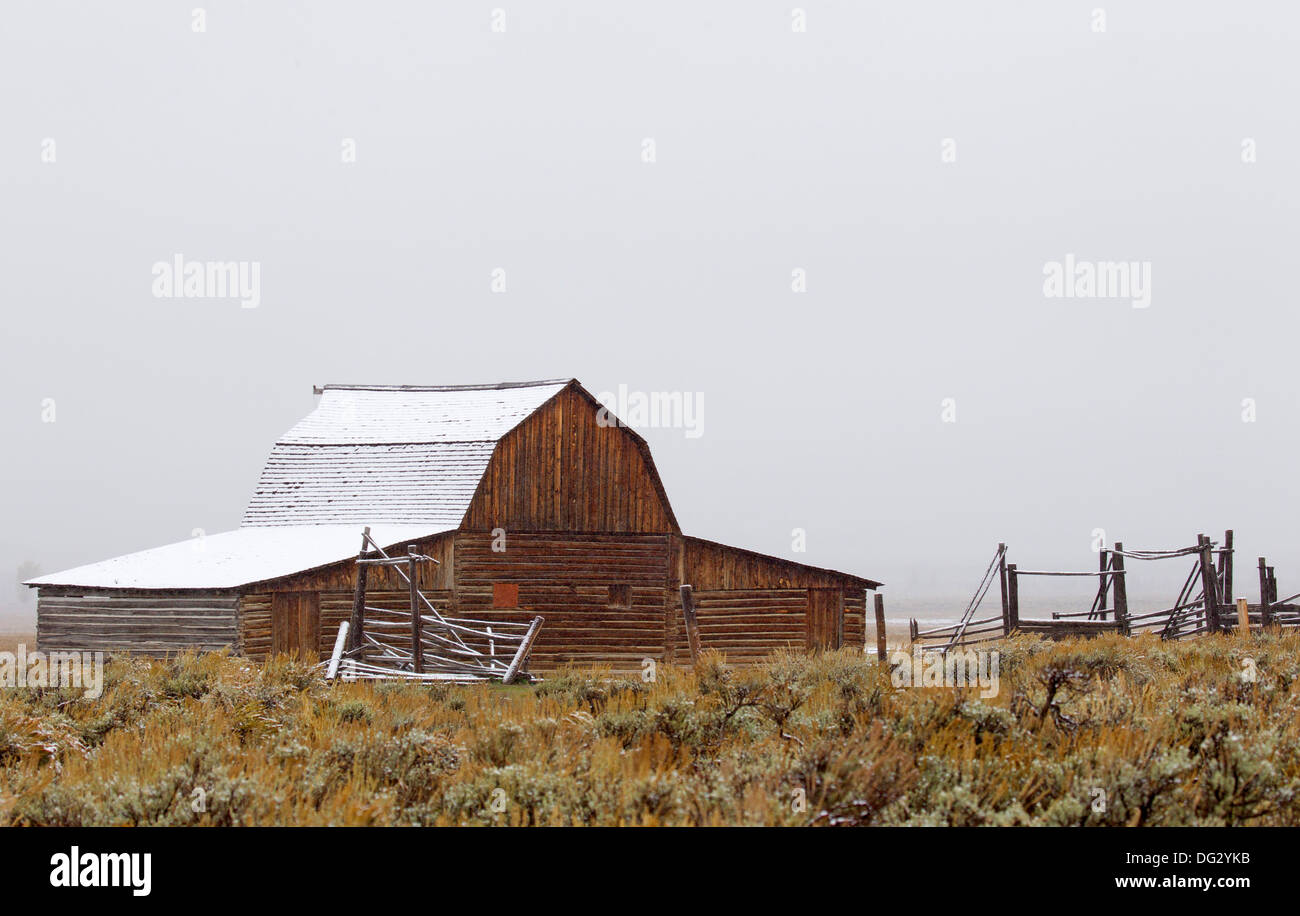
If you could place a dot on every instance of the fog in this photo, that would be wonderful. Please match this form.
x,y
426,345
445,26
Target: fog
x,y
920,400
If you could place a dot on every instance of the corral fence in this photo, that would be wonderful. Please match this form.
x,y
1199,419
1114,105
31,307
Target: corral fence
x,y
1203,604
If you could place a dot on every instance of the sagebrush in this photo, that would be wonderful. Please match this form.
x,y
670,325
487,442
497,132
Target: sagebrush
x,y
1108,731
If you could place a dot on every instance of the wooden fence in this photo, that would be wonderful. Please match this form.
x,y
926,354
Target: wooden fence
x,y
1203,605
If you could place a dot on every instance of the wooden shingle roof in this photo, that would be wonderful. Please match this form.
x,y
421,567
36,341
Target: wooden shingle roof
x,y
390,454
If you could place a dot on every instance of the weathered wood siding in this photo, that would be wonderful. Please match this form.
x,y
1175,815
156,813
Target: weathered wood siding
x,y
745,625
566,578
343,575
336,583
749,605
154,623
707,565
335,607
560,470
855,618
824,623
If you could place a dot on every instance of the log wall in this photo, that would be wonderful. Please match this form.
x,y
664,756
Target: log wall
x,y
855,619
335,607
607,599
152,623
566,578
708,565
744,624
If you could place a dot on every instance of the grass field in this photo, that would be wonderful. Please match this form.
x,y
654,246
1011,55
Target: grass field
x,y
1112,731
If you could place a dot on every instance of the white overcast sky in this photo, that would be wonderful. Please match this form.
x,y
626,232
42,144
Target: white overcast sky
x,y
775,150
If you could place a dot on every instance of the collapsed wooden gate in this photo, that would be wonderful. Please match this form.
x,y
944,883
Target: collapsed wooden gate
x,y
423,643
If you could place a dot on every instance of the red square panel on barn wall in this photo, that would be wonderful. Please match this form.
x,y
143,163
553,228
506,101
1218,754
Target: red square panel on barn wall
x,y
505,594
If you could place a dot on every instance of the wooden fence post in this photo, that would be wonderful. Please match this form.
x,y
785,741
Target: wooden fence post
x,y
1103,585
1243,617
881,641
413,573
1002,581
1265,607
1209,584
336,656
1013,600
521,654
692,629
357,628
1227,565
1120,586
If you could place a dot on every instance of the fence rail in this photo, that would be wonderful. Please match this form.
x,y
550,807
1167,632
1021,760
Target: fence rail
x,y
1204,604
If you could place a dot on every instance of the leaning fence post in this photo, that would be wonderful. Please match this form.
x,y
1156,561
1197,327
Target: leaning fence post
x,y
692,629
1208,583
1013,600
1002,582
521,654
413,573
340,641
1265,607
881,642
1120,586
357,629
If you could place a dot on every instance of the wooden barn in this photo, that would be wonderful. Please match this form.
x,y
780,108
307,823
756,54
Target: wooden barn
x,y
528,501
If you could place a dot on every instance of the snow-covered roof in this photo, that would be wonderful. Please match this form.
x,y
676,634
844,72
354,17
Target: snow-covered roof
x,y
235,558
398,454
405,460
389,414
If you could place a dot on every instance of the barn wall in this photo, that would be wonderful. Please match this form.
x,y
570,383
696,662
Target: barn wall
x,y
560,470
748,624
343,575
337,587
855,619
154,623
706,565
749,605
745,625
335,607
566,578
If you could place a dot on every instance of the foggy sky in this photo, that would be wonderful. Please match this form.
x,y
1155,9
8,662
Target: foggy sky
x,y
775,150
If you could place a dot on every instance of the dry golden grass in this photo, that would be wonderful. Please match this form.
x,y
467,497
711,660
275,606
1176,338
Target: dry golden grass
x,y
1163,733
9,642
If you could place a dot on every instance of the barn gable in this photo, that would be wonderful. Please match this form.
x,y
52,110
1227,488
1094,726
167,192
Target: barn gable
x,y
562,469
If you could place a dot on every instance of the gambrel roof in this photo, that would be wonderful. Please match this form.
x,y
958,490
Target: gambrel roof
x,y
389,453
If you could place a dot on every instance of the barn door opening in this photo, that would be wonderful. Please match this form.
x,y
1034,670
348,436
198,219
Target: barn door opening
x,y
295,623
824,620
